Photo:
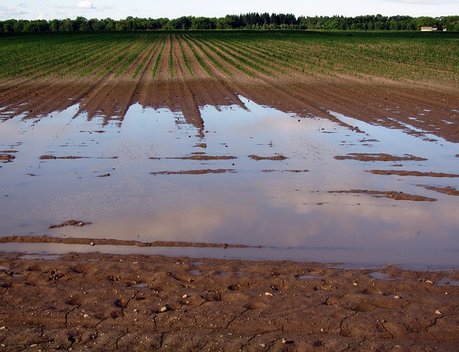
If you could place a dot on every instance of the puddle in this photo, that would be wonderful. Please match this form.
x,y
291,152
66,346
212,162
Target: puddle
x,y
254,176
308,277
447,282
381,276
40,257
196,272
141,285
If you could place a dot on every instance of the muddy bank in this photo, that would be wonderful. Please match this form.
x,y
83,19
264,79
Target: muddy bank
x,y
181,304
420,110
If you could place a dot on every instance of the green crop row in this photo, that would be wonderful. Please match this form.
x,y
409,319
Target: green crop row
x,y
393,55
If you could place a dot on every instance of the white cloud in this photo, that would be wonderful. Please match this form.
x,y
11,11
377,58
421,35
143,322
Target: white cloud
x,y
86,4
424,2
12,11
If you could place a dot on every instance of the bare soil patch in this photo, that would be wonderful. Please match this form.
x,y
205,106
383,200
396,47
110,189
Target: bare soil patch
x,y
451,191
205,157
277,157
412,173
389,194
195,172
378,157
182,304
78,223
7,157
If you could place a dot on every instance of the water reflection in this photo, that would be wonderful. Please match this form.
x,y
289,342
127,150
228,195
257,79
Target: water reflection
x,y
147,194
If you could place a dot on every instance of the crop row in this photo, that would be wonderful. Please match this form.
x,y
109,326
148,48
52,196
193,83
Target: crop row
x,y
250,54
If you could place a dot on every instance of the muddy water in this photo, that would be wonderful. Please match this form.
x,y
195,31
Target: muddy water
x,y
253,176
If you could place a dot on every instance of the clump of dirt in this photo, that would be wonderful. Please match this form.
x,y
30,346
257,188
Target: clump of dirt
x,y
277,157
114,302
6,157
70,157
115,242
78,223
292,171
378,157
195,172
204,157
412,173
389,194
451,191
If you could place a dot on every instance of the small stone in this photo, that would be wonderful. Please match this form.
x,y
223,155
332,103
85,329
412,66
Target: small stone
x,y
397,297
185,296
354,284
80,223
33,345
269,294
163,309
438,312
262,345
287,342
86,316
3,328
428,282
92,244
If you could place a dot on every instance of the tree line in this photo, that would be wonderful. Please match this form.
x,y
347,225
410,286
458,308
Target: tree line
x,y
244,21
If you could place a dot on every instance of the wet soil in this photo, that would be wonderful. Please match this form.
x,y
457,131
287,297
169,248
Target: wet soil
x,y
70,223
413,173
110,241
141,303
380,101
195,172
274,157
378,157
391,195
451,191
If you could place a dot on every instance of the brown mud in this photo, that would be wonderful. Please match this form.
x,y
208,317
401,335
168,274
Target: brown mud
x,y
110,241
186,85
139,303
451,191
413,173
195,172
274,157
389,194
78,223
378,157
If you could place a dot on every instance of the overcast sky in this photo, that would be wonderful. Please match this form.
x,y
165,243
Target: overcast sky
x,y
48,9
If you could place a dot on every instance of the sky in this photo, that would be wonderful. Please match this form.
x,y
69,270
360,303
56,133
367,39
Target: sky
x,y
116,9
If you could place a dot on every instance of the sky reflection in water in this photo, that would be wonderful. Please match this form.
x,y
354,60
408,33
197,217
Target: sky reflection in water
x,y
261,203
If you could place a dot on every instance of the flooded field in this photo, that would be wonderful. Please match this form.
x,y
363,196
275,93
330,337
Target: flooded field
x,y
250,181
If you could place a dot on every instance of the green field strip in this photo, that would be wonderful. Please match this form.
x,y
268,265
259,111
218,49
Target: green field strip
x,y
90,65
217,65
158,59
259,59
83,62
127,65
207,69
185,57
117,60
45,61
230,59
213,53
140,68
252,61
25,61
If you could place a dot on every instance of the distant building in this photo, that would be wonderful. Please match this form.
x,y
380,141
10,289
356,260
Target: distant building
x,y
429,29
